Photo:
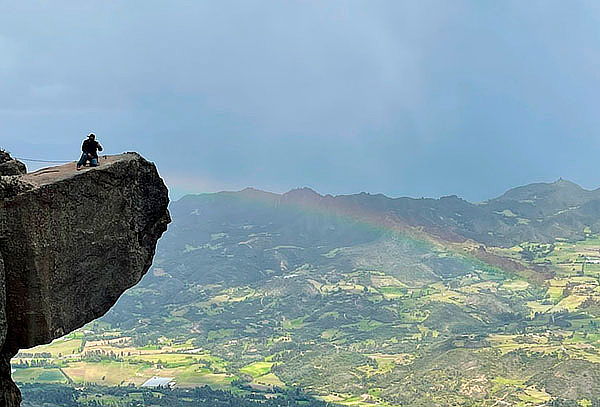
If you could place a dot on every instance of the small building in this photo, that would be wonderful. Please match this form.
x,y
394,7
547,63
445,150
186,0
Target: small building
x,y
159,383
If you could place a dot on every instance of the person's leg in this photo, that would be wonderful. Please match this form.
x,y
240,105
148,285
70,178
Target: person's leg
x,y
94,162
82,160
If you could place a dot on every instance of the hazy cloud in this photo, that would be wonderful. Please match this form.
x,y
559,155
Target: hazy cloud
x,y
401,97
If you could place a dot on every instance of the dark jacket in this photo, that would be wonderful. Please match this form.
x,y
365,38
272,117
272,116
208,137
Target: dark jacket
x,y
91,147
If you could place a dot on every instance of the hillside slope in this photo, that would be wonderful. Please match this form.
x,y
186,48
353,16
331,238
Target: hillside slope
x,y
402,301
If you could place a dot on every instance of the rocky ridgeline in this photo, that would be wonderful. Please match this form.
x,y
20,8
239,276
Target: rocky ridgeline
x,y
9,166
71,242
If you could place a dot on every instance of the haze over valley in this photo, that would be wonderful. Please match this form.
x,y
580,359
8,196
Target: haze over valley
x,y
359,300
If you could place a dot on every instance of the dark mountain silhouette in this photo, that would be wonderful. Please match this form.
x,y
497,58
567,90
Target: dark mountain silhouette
x,y
538,212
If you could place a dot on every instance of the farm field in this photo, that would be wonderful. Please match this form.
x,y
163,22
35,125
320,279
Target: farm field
x,y
99,354
114,362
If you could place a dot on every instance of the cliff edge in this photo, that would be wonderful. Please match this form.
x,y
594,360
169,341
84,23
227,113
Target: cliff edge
x,y
71,242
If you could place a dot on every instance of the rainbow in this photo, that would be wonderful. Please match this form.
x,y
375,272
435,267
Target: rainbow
x,y
385,223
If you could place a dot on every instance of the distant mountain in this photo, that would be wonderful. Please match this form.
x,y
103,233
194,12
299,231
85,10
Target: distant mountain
x,y
538,212
386,300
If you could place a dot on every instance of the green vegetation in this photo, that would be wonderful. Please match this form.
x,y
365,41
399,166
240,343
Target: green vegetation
x,y
349,313
257,369
44,395
39,375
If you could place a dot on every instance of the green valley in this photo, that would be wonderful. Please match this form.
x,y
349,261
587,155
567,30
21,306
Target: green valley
x,y
358,300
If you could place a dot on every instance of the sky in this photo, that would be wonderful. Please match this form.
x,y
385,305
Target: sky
x,y
406,98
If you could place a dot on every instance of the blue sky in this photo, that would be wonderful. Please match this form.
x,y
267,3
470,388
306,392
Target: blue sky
x,y
407,98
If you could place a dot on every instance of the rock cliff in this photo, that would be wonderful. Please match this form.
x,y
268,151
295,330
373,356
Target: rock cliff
x,y
10,166
71,242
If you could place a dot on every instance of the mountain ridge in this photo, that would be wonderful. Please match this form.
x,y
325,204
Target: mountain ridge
x,y
360,299
364,293
534,212
560,182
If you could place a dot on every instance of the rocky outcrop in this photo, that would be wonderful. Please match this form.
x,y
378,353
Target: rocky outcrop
x,y
10,166
71,242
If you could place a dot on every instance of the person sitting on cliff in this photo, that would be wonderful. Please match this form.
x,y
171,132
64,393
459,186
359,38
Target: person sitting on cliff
x,y
90,150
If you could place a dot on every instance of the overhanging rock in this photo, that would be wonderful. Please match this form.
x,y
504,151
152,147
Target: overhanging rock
x,y
71,243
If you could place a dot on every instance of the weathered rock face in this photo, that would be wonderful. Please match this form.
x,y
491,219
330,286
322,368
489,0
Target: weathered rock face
x,y
9,166
71,243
